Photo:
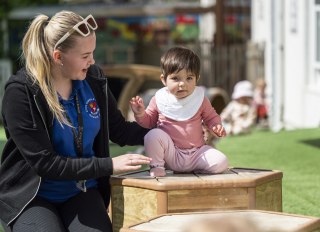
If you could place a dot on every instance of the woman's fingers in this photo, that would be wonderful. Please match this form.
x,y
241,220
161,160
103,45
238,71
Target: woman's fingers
x,y
129,162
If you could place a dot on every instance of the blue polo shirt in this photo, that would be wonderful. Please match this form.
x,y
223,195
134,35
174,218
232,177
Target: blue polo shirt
x,y
63,141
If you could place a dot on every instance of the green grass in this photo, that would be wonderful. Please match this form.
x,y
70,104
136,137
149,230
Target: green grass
x,y
295,153
2,136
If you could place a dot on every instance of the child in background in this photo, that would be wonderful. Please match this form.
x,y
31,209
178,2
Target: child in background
x,y
261,104
176,113
239,116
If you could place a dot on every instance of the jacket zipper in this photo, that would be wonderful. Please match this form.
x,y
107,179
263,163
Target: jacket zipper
x,y
44,123
34,97
107,109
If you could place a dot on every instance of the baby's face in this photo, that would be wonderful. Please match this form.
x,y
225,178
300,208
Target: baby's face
x,y
181,84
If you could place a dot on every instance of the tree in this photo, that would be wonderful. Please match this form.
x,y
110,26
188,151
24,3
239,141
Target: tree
x,y
5,7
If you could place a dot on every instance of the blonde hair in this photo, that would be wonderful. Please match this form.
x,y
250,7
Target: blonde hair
x,y
37,51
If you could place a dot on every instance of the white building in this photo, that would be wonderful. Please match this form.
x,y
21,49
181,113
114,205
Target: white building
x,y
290,32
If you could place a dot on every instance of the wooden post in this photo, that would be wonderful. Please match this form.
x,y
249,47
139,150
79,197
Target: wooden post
x,y
219,11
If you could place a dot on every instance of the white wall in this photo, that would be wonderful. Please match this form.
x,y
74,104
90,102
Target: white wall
x,y
266,29
312,94
296,63
284,27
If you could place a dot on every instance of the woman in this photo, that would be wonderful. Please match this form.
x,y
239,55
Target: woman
x,y
59,115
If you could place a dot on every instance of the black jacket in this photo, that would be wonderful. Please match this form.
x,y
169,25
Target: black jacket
x,y
29,155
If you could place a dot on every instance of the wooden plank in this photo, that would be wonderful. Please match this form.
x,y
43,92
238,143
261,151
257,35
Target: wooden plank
x,y
207,199
263,220
202,181
269,196
136,74
131,205
252,198
162,199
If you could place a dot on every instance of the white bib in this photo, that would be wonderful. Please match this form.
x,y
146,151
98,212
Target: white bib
x,y
179,109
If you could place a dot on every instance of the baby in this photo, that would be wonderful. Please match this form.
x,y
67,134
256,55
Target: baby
x,y
176,113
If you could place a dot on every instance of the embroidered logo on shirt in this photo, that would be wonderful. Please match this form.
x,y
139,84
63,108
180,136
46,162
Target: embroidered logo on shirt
x,y
92,108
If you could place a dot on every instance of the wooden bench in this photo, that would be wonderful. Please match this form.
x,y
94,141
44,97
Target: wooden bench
x,y
134,75
137,196
244,220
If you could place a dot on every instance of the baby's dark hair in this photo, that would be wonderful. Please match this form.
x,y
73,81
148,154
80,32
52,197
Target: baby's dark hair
x,y
178,58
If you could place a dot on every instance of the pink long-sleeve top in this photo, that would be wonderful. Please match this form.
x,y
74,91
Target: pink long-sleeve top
x,y
185,134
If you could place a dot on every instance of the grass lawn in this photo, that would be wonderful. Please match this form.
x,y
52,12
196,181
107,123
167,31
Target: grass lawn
x,y
295,153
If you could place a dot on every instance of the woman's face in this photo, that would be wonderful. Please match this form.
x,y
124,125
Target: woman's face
x,y
78,59
180,84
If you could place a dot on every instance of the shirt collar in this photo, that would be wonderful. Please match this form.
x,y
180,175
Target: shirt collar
x,y
76,85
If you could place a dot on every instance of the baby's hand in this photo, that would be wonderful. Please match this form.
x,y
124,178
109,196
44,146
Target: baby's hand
x,y
137,106
219,130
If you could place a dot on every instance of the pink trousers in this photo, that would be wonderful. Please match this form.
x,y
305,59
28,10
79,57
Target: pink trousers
x,y
160,147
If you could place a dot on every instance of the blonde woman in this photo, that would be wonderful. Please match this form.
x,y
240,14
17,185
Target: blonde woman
x,y
59,115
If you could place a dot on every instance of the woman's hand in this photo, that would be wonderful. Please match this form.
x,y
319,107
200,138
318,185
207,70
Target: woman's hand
x,y
129,162
137,106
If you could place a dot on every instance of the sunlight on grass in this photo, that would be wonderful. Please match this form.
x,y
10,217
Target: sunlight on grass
x,y
289,152
2,135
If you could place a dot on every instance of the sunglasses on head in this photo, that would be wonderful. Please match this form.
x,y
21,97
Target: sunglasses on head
x,y
83,28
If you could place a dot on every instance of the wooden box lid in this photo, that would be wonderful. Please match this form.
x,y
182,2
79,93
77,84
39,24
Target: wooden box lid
x,y
233,177
263,220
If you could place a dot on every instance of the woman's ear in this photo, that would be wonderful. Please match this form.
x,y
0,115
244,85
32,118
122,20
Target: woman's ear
x,y
198,78
163,80
57,58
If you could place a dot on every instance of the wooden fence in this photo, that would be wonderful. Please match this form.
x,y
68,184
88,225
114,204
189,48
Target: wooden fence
x,y
224,66
221,66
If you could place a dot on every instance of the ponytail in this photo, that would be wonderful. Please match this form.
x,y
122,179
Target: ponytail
x,y
37,53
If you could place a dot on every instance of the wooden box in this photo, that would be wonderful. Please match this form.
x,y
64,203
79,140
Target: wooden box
x,y
246,220
137,196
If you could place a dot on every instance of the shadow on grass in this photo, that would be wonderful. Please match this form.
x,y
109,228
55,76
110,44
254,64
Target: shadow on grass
x,y
312,142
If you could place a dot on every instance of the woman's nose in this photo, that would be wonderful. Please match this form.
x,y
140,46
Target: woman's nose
x,y
92,61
